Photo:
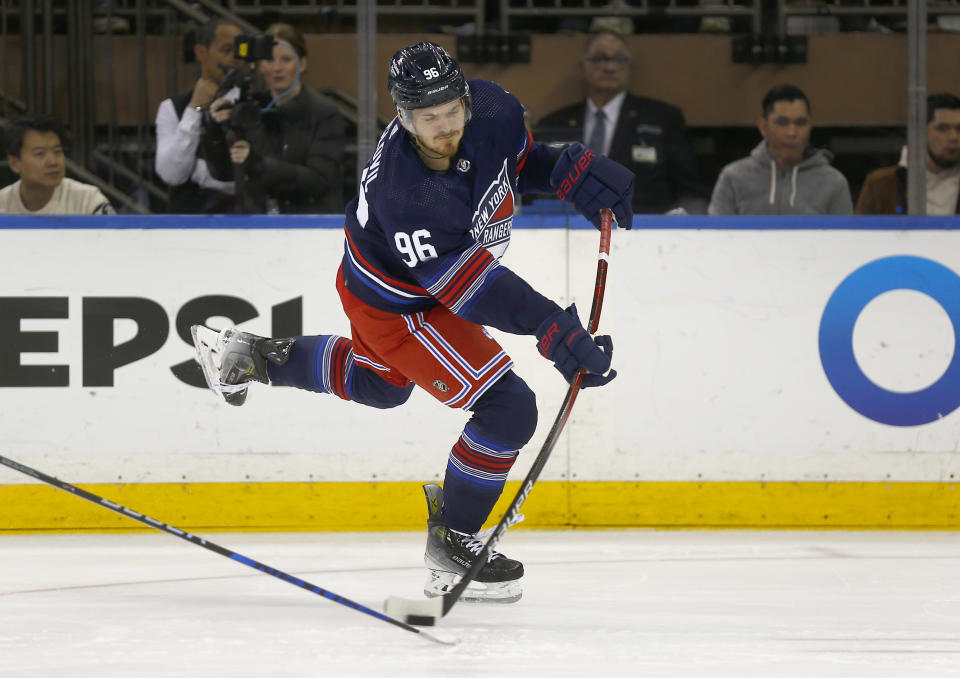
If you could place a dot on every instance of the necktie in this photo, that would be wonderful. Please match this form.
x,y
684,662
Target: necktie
x,y
599,134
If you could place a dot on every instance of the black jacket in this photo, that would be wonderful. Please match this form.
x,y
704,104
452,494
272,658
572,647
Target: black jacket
x,y
651,140
296,157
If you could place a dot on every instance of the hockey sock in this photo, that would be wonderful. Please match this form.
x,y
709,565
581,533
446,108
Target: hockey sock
x,y
476,474
318,363
504,419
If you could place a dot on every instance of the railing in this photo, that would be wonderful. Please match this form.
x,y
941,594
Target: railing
x,y
514,9
50,61
472,9
66,72
70,58
865,9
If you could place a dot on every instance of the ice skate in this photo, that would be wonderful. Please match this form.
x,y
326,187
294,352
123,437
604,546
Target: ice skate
x,y
450,554
230,359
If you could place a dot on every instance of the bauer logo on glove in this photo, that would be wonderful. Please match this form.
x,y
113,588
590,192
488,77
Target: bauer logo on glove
x,y
593,182
574,174
562,339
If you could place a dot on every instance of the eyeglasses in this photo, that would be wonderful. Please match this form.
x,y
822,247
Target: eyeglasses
x,y
601,60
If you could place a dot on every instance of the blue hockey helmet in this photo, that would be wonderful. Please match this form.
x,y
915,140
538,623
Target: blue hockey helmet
x,y
425,75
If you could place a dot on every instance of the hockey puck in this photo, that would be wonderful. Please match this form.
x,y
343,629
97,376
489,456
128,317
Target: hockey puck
x,y
421,620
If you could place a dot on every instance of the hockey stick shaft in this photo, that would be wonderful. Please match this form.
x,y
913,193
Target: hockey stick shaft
x,y
450,599
210,546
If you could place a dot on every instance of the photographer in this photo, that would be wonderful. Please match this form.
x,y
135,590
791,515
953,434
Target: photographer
x,y
285,151
179,161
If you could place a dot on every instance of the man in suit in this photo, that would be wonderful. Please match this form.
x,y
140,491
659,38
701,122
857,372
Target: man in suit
x,y
645,135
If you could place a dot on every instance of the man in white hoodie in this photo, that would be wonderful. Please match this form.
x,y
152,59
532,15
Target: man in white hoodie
x,y
783,174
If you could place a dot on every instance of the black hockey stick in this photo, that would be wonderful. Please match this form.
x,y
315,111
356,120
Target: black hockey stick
x,y
210,546
426,612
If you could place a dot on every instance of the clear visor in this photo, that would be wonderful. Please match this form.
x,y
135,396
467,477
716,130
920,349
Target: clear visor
x,y
450,116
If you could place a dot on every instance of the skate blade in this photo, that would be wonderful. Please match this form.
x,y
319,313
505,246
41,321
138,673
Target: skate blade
x,y
207,345
441,582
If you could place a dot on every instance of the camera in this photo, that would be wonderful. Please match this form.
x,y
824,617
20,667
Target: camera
x,y
246,110
251,48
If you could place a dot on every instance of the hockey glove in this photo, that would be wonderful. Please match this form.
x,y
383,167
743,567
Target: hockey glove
x,y
562,339
592,182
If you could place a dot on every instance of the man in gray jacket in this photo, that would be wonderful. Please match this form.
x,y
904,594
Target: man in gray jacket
x,y
783,174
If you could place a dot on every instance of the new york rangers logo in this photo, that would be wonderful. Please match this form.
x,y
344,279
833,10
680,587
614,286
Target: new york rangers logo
x,y
493,220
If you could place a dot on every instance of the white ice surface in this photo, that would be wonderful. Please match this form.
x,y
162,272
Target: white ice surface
x,y
596,603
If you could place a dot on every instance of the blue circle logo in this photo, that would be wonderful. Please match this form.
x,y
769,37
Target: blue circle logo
x,y
836,340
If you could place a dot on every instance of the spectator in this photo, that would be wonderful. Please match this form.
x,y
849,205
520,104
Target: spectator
x,y
783,174
645,135
192,188
291,161
35,152
885,190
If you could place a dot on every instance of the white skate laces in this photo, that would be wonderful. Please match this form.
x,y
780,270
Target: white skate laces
x,y
475,542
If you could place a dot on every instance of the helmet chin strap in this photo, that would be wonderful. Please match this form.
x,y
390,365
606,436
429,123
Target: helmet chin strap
x,y
422,149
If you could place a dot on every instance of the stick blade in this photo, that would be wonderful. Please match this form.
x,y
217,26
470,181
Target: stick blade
x,y
424,612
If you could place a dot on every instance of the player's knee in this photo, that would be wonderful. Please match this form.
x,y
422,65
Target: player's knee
x,y
524,407
507,412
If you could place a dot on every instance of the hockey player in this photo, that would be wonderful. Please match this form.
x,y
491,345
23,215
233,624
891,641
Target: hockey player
x,y
421,277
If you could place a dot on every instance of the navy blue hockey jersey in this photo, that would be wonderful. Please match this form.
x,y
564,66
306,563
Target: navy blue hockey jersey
x,y
416,238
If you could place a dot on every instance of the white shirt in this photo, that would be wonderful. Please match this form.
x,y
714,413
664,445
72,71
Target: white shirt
x,y
612,112
177,141
942,191
70,197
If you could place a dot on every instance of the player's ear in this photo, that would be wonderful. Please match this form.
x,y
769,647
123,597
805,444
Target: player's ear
x,y
303,64
14,163
200,51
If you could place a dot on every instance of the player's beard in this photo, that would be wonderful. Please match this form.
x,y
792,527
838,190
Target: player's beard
x,y
445,147
945,161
